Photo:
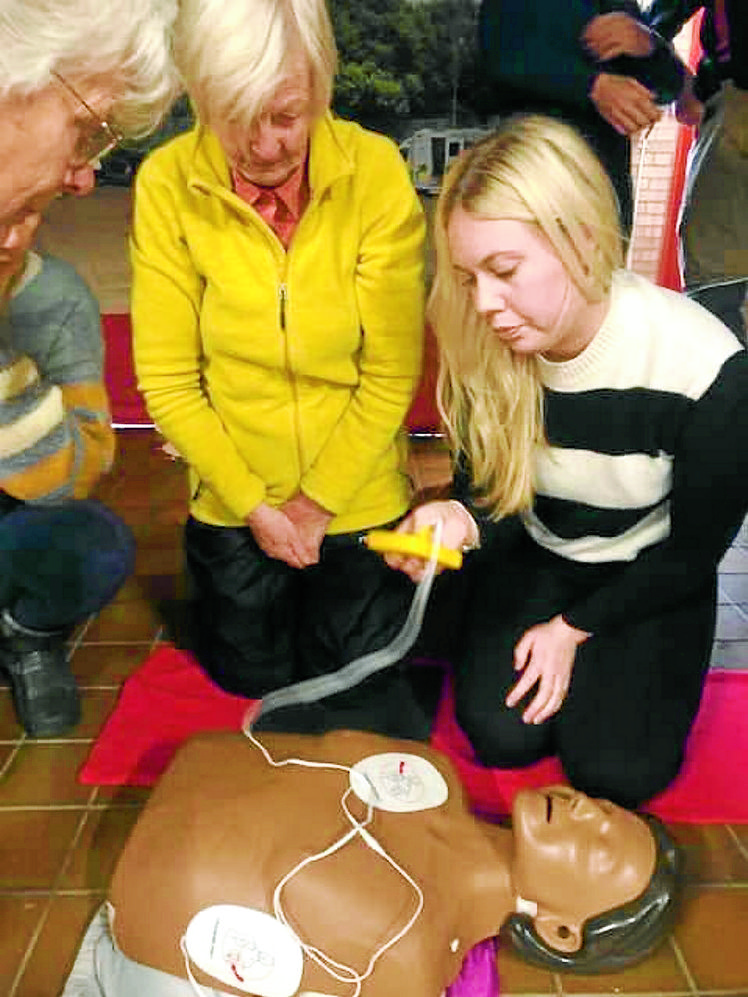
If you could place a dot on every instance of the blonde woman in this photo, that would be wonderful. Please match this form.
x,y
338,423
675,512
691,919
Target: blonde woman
x,y
278,317
601,424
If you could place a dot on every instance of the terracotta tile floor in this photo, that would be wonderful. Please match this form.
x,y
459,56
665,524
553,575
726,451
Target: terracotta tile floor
x,y
59,840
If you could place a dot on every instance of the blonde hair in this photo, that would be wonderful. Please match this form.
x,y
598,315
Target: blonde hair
x,y
124,45
234,54
539,171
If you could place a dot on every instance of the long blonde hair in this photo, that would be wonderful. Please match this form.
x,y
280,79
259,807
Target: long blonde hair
x,y
539,171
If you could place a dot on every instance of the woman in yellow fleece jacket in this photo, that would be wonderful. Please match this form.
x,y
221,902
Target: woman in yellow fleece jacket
x,y
277,308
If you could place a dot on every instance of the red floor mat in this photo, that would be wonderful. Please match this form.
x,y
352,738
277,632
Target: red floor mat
x,y
126,402
169,698
128,407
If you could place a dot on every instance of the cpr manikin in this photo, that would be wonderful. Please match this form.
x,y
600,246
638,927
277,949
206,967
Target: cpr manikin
x,y
574,884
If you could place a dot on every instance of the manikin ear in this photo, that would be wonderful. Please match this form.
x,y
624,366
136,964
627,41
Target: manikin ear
x,y
561,933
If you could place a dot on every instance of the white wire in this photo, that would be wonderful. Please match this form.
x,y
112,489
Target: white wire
x,y
348,974
398,646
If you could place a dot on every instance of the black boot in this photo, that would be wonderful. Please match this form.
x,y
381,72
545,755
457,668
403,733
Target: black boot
x,y
44,690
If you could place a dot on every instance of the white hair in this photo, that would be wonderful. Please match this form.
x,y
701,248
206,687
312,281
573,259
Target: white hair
x,y
234,54
123,44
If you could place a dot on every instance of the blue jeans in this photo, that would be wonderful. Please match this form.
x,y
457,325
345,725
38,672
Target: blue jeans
x,y
60,563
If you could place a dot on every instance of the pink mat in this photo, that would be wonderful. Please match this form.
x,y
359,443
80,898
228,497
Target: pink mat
x,y
169,698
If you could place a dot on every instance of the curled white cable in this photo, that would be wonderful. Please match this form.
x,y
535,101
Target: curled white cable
x,y
321,686
309,691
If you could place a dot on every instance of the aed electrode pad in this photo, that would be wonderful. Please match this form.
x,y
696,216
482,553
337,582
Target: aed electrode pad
x,y
398,782
246,949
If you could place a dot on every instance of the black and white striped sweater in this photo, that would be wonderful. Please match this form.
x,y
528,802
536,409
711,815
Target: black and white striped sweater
x,y
648,457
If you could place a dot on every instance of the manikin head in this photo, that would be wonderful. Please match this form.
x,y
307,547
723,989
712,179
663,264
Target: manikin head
x,y
598,884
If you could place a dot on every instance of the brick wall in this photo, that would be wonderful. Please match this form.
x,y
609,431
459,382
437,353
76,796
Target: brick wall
x,y
652,161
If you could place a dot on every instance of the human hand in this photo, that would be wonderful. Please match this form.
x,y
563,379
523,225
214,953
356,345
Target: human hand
x,y
311,521
624,103
458,531
278,537
545,655
609,35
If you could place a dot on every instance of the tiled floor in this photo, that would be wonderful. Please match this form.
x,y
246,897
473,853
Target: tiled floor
x,y
59,840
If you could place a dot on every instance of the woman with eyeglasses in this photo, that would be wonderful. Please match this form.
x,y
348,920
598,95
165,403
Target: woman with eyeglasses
x,y
75,77
600,425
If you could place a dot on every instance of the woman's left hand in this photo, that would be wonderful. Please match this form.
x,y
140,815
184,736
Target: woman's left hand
x,y
545,655
310,519
609,35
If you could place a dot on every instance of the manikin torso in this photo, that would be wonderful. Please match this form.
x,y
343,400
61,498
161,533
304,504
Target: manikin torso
x,y
223,827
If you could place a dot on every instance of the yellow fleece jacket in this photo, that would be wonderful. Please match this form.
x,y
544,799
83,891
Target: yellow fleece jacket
x,y
274,371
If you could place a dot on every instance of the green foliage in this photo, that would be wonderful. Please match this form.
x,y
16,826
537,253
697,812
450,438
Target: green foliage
x,y
401,58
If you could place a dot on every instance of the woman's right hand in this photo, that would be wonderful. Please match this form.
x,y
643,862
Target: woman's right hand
x,y
624,102
279,538
458,531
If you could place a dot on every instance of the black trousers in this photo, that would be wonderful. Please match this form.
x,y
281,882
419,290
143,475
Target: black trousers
x,y
634,691
261,625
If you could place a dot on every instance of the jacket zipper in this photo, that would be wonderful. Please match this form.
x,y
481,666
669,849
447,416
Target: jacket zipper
x,y
282,298
282,303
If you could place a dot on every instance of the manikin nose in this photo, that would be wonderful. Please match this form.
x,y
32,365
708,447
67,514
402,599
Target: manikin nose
x,y
582,807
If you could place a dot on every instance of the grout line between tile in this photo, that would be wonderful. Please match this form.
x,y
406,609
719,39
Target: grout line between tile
x,y
26,958
681,960
92,807
119,643
11,757
64,865
35,935
738,843
637,993
739,607
46,740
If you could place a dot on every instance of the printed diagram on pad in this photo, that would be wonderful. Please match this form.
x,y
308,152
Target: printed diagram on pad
x,y
245,948
245,959
398,782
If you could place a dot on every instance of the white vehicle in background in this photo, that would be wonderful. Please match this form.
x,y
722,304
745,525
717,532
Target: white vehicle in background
x,y
429,151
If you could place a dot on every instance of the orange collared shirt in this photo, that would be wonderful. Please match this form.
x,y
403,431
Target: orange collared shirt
x,y
280,207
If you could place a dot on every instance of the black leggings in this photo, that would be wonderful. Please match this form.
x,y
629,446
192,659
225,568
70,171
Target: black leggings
x,y
260,625
634,691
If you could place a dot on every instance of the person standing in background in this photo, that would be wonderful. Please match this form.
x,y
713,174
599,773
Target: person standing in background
x,y
592,63
713,226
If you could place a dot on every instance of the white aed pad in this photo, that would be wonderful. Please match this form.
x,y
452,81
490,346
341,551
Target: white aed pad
x,y
247,949
398,782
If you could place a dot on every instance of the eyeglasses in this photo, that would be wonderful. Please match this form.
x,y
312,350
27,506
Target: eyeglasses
x,y
96,137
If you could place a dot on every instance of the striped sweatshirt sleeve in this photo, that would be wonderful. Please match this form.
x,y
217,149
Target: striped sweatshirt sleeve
x,y
708,502
55,434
